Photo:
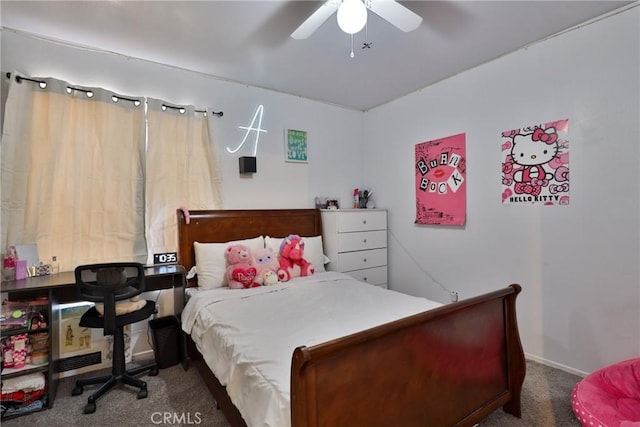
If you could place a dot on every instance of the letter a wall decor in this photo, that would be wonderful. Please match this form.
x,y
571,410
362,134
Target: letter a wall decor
x,y
535,164
441,190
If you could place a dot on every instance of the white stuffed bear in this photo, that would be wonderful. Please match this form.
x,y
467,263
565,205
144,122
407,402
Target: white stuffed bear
x,y
266,263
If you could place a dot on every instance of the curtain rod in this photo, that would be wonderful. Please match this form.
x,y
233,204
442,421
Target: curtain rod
x,y
173,107
164,106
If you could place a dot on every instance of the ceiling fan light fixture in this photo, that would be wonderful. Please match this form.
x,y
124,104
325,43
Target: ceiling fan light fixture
x,y
352,16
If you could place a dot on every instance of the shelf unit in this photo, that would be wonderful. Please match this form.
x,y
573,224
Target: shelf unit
x,y
48,368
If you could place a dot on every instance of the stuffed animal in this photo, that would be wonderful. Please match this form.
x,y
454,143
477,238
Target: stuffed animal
x,y
240,272
292,262
266,263
269,278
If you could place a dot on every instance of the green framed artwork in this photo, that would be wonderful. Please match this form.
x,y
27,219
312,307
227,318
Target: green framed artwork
x,y
295,146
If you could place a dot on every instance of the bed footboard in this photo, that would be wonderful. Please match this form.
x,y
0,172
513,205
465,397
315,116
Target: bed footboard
x,y
450,366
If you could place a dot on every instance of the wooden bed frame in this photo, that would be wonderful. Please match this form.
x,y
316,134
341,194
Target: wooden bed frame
x,y
451,366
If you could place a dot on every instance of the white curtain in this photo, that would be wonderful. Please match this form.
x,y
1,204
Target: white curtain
x,y
73,173
182,170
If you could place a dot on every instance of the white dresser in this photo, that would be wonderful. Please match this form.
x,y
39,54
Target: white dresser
x,y
356,242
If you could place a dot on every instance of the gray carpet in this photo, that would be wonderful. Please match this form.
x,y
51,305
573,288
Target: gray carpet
x,y
546,400
179,398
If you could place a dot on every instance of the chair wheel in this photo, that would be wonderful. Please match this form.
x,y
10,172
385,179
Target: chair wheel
x,y
77,390
153,372
90,408
142,393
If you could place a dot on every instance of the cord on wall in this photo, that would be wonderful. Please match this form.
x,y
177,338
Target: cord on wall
x,y
154,316
157,313
452,294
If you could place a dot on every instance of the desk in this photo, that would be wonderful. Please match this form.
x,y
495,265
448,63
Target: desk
x,y
60,288
63,284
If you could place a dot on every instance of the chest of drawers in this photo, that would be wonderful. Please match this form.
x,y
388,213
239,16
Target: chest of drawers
x,y
356,242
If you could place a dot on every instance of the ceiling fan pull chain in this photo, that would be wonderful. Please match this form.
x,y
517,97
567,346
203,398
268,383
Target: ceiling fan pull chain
x,y
352,54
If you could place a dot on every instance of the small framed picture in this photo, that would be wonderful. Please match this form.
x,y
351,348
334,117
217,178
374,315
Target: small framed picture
x,y
295,146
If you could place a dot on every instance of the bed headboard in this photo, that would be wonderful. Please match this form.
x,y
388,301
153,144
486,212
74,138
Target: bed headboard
x,y
219,226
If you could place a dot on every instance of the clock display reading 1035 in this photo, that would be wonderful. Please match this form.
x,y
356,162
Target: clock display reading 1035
x,y
165,258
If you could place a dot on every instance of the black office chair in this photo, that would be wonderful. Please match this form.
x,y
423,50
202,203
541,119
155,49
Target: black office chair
x,y
107,284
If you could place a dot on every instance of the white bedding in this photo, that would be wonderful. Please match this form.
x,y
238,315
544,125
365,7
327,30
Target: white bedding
x,y
247,336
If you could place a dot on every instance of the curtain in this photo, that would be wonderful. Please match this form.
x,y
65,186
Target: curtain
x,y
182,170
72,173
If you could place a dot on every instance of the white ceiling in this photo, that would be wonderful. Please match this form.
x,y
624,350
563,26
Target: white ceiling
x,y
249,41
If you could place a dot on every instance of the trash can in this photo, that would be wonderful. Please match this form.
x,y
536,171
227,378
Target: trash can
x,y
167,342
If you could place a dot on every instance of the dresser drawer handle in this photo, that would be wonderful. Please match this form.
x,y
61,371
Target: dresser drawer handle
x,y
364,279
364,241
364,221
365,260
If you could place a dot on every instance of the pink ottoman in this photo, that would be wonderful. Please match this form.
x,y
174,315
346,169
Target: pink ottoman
x,y
609,397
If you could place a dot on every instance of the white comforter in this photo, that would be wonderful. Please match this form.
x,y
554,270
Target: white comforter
x,y
247,336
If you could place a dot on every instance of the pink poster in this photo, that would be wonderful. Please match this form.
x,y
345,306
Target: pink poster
x,y
535,164
441,181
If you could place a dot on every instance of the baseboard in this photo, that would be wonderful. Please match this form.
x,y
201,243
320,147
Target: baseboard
x,y
143,356
555,365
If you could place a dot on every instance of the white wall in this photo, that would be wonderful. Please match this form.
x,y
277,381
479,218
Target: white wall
x,y
577,264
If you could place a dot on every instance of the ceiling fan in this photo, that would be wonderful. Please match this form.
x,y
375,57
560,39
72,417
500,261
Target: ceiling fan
x,y
389,10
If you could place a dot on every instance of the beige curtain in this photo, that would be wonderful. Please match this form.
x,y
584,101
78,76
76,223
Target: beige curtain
x,y
182,170
72,173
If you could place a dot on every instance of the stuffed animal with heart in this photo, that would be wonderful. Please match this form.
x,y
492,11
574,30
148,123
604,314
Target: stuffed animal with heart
x,y
240,272
292,262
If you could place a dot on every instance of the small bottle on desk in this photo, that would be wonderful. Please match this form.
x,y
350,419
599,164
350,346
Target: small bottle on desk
x,y
55,267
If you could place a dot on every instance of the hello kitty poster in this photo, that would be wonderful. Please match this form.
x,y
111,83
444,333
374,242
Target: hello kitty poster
x,y
535,164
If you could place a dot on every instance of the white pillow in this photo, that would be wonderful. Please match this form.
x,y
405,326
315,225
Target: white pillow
x,y
211,263
313,250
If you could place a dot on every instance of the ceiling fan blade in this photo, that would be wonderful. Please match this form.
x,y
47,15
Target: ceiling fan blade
x,y
316,19
396,14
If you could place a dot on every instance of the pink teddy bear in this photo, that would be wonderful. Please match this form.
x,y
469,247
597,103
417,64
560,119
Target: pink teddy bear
x,y
292,262
240,273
